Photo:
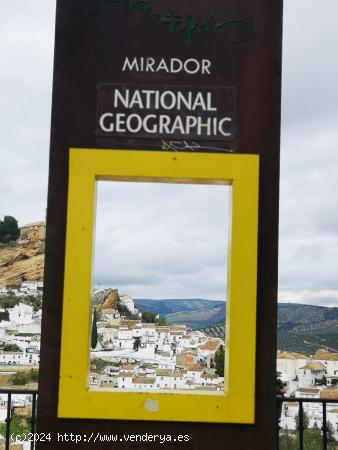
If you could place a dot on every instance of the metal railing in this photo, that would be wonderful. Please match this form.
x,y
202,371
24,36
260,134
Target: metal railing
x,y
32,394
301,419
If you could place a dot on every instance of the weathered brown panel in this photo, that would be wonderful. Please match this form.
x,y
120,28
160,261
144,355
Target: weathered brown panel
x,y
89,49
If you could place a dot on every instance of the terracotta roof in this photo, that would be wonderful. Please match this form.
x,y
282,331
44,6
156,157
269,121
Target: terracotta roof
x,y
187,352
325,355
109,311
335,410
163,372
329,393
144,380
127,367
177,374
313,366
162,353
211,387
308,390
289,355
213,376
162,328
148,325
126,374
212,344
20,352
129,323
195,368
106,384
176,333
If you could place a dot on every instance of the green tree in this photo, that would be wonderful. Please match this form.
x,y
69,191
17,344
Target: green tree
x,y
94,330
9,229
12,348
305,421
312,438
98,364
161,321
148,317
280,385
19,425
20,379
33,375
9,301
288,440
330,432
137,343
219,360
34,300
4,316
124,311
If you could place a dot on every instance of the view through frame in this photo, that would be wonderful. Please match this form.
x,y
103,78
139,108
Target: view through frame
x,y
236,404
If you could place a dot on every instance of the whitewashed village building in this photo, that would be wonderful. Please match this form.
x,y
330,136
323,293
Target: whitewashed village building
x,y
145,356
156,357
309,377
26,288
23,328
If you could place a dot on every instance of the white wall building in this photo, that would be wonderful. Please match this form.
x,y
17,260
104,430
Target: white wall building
x,y
21,314
310,374
129,303
313,411
330,361
19,358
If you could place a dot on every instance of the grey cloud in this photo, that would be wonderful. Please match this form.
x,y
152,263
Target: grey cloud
x,y
26,40
310,62
174,235
309,158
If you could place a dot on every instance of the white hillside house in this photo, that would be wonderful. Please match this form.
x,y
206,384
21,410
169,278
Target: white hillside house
x,y
311,373
31,287
330,361
127,301
21,314
19,358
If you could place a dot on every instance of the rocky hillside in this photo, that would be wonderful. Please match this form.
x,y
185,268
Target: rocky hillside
x,y
106,299
23,259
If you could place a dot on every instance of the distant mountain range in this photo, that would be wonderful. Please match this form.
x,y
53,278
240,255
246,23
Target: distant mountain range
x,y
173,305
305,328
301,328
195,313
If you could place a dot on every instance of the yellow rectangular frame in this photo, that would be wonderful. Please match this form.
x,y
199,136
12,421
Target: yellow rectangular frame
x,y
236,404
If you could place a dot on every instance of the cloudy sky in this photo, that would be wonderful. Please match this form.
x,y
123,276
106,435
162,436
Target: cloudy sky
x,y
309,160
167,235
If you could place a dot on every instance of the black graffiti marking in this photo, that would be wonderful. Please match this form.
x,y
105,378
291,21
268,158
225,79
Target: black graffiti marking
x,y
186,25
179,146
